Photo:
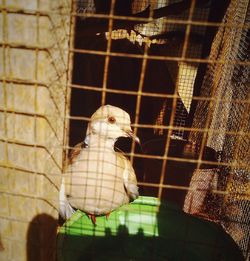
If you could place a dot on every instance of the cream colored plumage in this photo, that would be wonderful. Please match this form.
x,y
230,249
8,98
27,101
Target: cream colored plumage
x,y
99,180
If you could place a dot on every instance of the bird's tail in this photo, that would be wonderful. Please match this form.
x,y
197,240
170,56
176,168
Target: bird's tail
x,y
65,209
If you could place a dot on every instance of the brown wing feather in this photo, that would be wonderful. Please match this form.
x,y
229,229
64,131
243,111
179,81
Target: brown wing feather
x,y
74,153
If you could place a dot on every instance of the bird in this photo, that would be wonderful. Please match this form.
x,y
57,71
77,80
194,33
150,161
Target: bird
x,y
100,179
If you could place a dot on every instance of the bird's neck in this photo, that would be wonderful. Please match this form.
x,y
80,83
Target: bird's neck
x,y
94,140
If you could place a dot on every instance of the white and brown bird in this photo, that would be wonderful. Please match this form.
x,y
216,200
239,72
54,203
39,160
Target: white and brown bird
x,y
99,179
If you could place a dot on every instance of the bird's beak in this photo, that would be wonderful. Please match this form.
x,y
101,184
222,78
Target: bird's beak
x,y
130,134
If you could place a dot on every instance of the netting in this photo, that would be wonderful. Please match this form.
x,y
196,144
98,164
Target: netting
x,y
168,96
181,71
227,120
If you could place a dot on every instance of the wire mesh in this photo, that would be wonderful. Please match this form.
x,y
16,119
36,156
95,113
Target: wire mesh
x,y
33,72
153,69
229,81
180,69
136,69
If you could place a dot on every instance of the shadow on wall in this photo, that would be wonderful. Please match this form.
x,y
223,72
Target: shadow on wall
x,y
41,238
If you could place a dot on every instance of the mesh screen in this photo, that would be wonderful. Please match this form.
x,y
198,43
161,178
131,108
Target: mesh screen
x,y
169,76
163,66
179,72
227,120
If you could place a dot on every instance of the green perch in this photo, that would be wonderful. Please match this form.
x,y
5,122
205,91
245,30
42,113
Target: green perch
x,y
146,229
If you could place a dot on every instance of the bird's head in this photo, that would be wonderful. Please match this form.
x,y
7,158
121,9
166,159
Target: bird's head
x,y
110,122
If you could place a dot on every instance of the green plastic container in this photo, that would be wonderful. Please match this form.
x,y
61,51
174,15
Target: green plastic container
x,y
144,230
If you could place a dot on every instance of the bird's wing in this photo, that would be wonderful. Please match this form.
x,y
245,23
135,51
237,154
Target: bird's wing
x,y
129,179
65,209
75,152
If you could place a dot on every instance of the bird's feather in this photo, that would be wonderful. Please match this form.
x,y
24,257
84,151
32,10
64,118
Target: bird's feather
x,y
129,179
75,152
98,179
65,209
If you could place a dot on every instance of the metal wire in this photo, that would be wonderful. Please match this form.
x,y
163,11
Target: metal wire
x,y
202,106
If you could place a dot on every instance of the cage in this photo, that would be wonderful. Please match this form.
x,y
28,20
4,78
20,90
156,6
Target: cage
x,y
180,69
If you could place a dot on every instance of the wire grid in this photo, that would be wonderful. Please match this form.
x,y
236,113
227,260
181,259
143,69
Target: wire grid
x,y
230,81
33,73
172,50
158,111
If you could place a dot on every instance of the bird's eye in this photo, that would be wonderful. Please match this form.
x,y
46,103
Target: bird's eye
x,y
111,120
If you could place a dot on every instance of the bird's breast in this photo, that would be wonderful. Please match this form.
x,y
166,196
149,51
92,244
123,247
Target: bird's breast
x,y
95,181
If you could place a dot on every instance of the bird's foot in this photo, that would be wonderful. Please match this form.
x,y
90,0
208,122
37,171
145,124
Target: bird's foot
x,y
93,218
107,215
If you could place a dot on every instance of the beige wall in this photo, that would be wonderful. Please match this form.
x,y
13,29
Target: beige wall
x,y
33,76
